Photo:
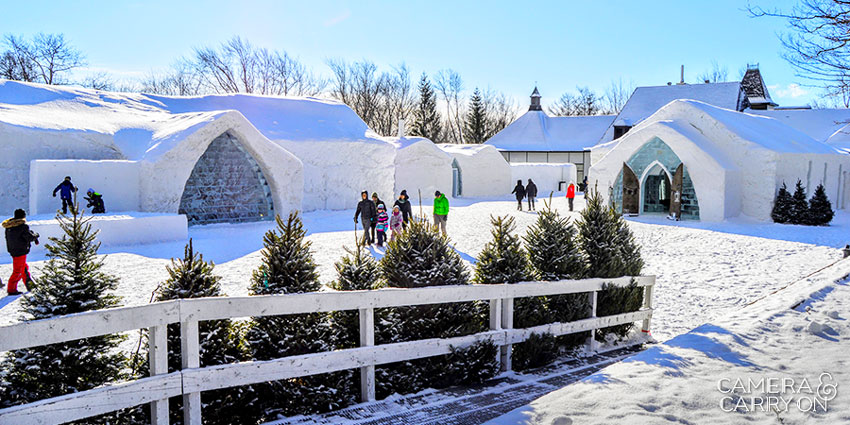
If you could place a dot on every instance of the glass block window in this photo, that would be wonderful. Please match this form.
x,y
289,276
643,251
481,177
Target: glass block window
x,y
226,186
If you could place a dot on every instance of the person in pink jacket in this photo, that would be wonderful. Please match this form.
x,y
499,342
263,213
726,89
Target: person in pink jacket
x,y
396,222
571,194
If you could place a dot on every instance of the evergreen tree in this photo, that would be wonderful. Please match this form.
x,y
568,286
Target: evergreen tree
x,y
820,209
502,260
426,119
475,127
781,212
799,205
220,341
288,267
72,281
422,257
611,251
554,255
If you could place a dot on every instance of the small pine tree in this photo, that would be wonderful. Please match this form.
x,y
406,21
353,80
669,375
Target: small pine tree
x,y
502,260
475,128
220,341
554,255
781,212
422,257
426,119
820,209
288,267
611,251
73,281
799,205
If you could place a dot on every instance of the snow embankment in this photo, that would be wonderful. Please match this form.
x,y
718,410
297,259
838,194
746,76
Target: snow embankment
x,y
782,359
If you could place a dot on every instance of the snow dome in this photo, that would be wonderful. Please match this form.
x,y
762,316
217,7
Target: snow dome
x,y
421,165
704,162
479,171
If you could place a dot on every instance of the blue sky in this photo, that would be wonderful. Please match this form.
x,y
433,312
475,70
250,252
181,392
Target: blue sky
x,y
507,46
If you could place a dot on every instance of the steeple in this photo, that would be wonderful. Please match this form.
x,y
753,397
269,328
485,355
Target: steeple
x,y
535,101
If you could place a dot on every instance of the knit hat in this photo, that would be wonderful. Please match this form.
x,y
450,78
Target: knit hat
x,y
437,193
404,192
67,177
374,194
19,213
364,193
381,207
90,190
395,207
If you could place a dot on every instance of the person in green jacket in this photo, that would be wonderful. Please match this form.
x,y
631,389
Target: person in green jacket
x,y
441,211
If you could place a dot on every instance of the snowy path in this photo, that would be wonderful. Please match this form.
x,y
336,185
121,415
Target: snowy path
x,y
712,373
704,270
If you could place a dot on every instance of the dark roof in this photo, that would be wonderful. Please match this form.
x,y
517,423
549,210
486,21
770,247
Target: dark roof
x,y
755,89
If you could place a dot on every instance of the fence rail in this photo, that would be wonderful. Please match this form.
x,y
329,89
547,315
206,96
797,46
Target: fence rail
x,y
192,380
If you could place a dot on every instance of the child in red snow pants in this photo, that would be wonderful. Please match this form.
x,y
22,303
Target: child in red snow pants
x,y
20,271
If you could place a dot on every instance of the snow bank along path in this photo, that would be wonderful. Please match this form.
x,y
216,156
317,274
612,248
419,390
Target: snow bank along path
x,y
711,374
702,273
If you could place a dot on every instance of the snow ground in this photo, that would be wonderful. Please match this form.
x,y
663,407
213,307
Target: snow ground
x,y
704,270
712,373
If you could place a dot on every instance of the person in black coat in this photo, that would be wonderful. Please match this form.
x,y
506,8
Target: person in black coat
x,y
403,204
95,202
531,193
520,193
368,214
65,189
19,238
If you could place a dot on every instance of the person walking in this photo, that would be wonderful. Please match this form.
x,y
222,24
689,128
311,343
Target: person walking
x,y
520,193
367,213
403,204
383,222
18,240
396,222
571,194
584,187
530,193
65,189
441,211
377,201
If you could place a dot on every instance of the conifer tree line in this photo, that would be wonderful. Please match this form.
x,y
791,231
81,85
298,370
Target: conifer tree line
x,y
793,208
73,281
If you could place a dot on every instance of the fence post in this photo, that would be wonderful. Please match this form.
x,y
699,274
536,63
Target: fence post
x,y
158,361
367,338
496,322
594,295
647,304
190,355
507,323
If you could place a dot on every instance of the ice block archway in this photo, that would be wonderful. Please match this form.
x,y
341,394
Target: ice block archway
x,y
226,186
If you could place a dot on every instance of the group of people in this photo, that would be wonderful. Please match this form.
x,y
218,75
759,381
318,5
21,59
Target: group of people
x,y
377,222
528,191
66,190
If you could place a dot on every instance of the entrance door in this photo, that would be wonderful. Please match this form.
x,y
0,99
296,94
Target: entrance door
x,y
676,191
457,184
631,191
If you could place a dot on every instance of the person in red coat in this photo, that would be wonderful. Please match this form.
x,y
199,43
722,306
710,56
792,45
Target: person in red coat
x,y
571,194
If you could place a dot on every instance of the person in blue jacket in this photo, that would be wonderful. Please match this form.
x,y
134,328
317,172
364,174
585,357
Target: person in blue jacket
x,y
65,189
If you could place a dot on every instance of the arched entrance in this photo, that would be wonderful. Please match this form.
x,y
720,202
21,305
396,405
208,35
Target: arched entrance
x,y
226,186
656,190
631,191
457,181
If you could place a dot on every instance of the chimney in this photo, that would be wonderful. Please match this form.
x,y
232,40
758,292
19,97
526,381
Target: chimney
x,y
682,80
401,129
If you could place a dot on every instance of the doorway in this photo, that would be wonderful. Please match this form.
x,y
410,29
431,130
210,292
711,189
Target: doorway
x,y
457,180
656,190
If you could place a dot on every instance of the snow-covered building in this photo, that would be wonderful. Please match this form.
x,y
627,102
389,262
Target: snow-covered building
x,y
536,137
478,171
701,161
420,165
211,165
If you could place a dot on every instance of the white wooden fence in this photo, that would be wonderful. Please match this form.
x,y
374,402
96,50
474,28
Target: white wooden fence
x,y
192,380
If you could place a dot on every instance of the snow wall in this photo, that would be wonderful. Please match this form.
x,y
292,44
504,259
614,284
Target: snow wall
x,y
117,181
421,165
335,172
120,229
546,176
484,171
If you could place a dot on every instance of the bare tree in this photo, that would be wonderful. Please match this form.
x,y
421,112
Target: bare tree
x,y
380,99
818,45
564,106
501,110
179,80
717,74
99,81
47,58
586,102
616,96
450,87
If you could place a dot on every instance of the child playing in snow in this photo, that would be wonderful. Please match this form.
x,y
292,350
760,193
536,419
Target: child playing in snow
x,y
381,226
396,222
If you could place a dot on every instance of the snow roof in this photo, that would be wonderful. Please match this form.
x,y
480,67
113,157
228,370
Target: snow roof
x,y
767,133
466,149
645,101
139,122
820,124
536,131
